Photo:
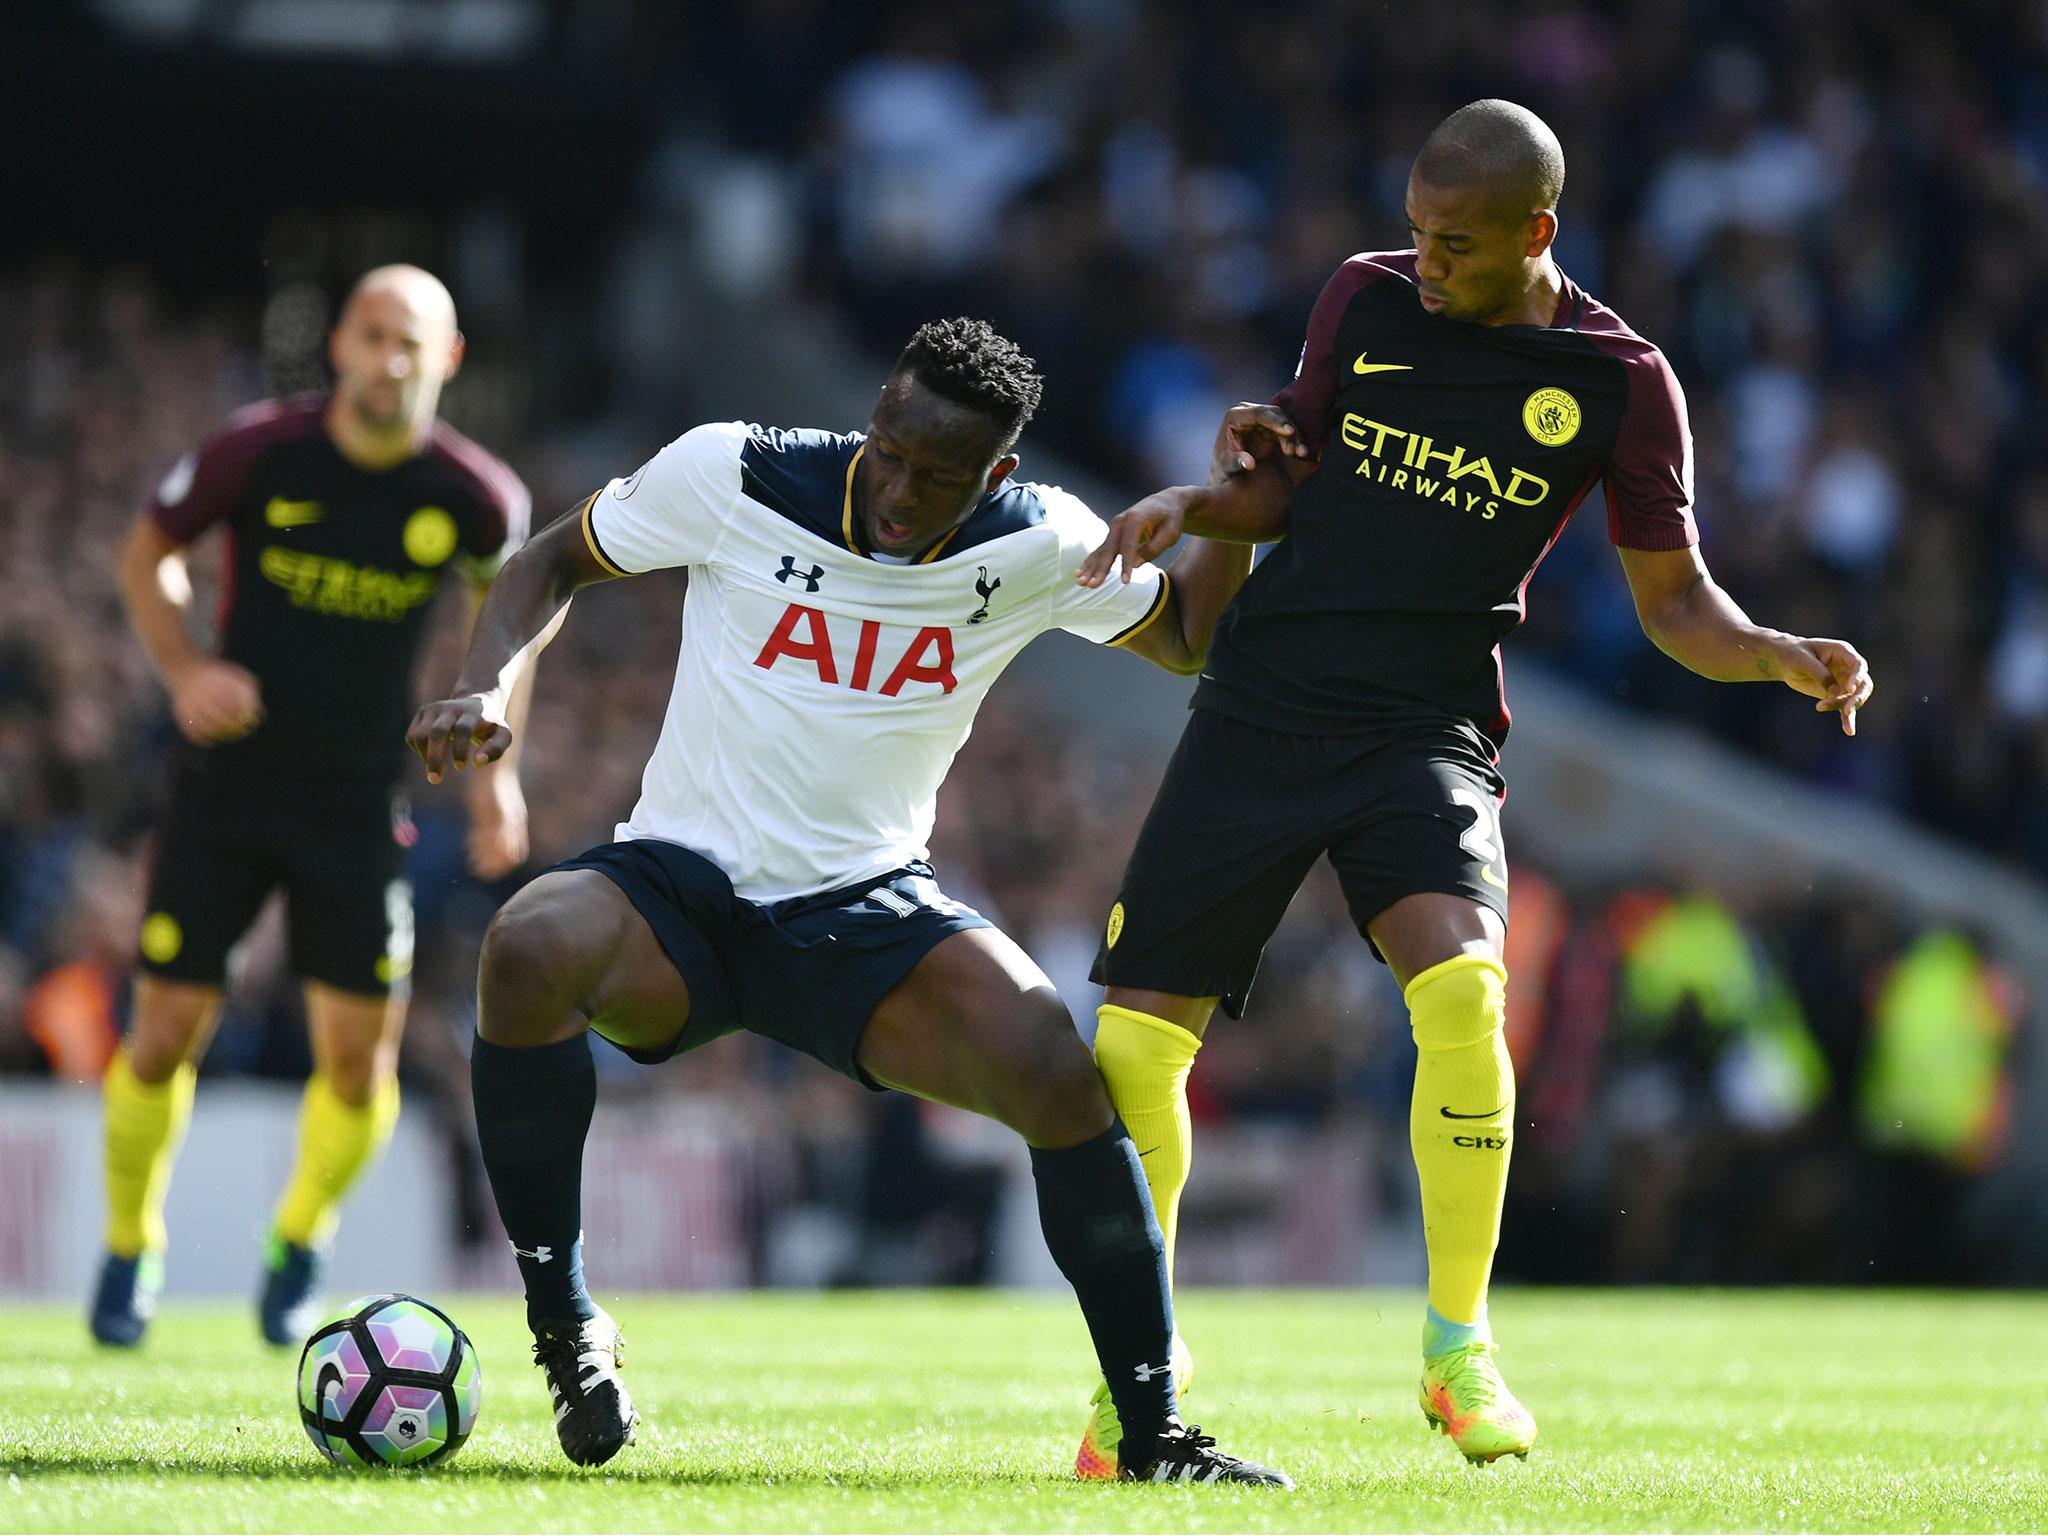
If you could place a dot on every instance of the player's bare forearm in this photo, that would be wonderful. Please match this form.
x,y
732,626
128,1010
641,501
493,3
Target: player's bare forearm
x,y
512,699
1249,506
519,615
212,700
1690,619
1204,580
157,593
528,598
499,840
1704,630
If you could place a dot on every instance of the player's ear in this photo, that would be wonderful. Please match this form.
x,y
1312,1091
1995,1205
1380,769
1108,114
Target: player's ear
x,y
1542,230
456,347
1001,469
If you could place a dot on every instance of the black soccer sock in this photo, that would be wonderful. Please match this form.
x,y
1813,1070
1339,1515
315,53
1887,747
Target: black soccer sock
x,y
1097,1217
533,1110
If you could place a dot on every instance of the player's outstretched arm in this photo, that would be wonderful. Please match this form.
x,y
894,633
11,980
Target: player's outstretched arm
x,y
518,616
1241,506
1205,578
497,843
1690,619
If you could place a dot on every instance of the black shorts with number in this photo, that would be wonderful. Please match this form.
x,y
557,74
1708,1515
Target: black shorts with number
x,y
1243,814
337,850
807,972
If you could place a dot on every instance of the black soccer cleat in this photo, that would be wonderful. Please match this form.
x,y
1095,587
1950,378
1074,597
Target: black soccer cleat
x,y
594,1417
1183,1454
126,1298
286,1310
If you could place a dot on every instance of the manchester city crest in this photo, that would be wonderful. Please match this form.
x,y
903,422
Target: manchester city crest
x,y
1551,416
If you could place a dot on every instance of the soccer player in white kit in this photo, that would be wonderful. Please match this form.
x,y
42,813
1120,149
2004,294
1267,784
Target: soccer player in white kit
x,y
851,600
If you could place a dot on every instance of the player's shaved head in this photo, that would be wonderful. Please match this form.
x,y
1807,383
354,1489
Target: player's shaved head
x,y
1482,208
1505,150
414,287
393,348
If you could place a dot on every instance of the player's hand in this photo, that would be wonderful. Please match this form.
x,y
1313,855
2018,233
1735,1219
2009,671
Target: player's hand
x,y
497,841
1140,532
454,734
1252,433
216,701
1833,672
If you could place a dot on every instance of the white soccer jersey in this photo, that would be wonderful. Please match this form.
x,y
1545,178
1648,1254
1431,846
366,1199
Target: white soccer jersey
x,y
822,694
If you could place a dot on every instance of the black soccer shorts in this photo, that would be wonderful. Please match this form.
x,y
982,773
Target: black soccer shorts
x,y
1409,805
807,972
336,850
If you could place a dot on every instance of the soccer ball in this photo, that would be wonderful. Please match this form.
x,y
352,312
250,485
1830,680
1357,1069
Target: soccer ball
x,y
389,1381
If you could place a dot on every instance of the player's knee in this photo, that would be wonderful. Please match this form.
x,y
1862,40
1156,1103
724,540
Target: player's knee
x,y
1458,1003
1050,1091
356,1074
168,1024
535,956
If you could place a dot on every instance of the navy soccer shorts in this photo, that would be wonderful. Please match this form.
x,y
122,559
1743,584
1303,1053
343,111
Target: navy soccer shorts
x,y
807,972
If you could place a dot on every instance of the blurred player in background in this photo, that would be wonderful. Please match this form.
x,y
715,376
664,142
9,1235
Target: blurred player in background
x,y
343,514
1453,405
852,598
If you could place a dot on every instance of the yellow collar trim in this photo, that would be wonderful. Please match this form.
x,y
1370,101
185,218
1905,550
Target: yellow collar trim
x,y
940,548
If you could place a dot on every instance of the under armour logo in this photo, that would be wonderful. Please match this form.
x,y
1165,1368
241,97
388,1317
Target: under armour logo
x,y
985,589
540,1254
809,578
1147,1372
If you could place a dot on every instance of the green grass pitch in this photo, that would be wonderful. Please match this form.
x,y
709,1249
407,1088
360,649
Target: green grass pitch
x,y
916,1411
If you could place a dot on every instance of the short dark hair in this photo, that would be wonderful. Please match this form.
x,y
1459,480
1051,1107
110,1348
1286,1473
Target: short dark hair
x,y
1499,145
971,363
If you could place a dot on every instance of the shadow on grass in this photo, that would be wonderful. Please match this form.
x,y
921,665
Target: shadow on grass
x,y
259,1467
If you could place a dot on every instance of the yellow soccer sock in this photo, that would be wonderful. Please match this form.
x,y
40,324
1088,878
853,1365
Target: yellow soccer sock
x,y
1144,1062
145,1122
1459,1124
336,1143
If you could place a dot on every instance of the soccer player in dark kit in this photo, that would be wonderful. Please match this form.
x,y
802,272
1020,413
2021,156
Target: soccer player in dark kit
x,y
1453,404
852,598
343,513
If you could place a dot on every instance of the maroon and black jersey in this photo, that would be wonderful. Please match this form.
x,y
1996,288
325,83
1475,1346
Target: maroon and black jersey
x,y
329,572
1451,455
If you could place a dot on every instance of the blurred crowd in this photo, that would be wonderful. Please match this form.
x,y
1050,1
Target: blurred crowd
x,y
1831,217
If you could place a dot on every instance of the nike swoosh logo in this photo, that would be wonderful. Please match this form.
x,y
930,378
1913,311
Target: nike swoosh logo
x,y
1362,366
292,514
1450,1114
1149,1151
1492,879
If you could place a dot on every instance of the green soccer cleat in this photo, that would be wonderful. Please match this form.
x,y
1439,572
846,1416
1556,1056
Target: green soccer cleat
x,y
1463,1396
1096,1460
